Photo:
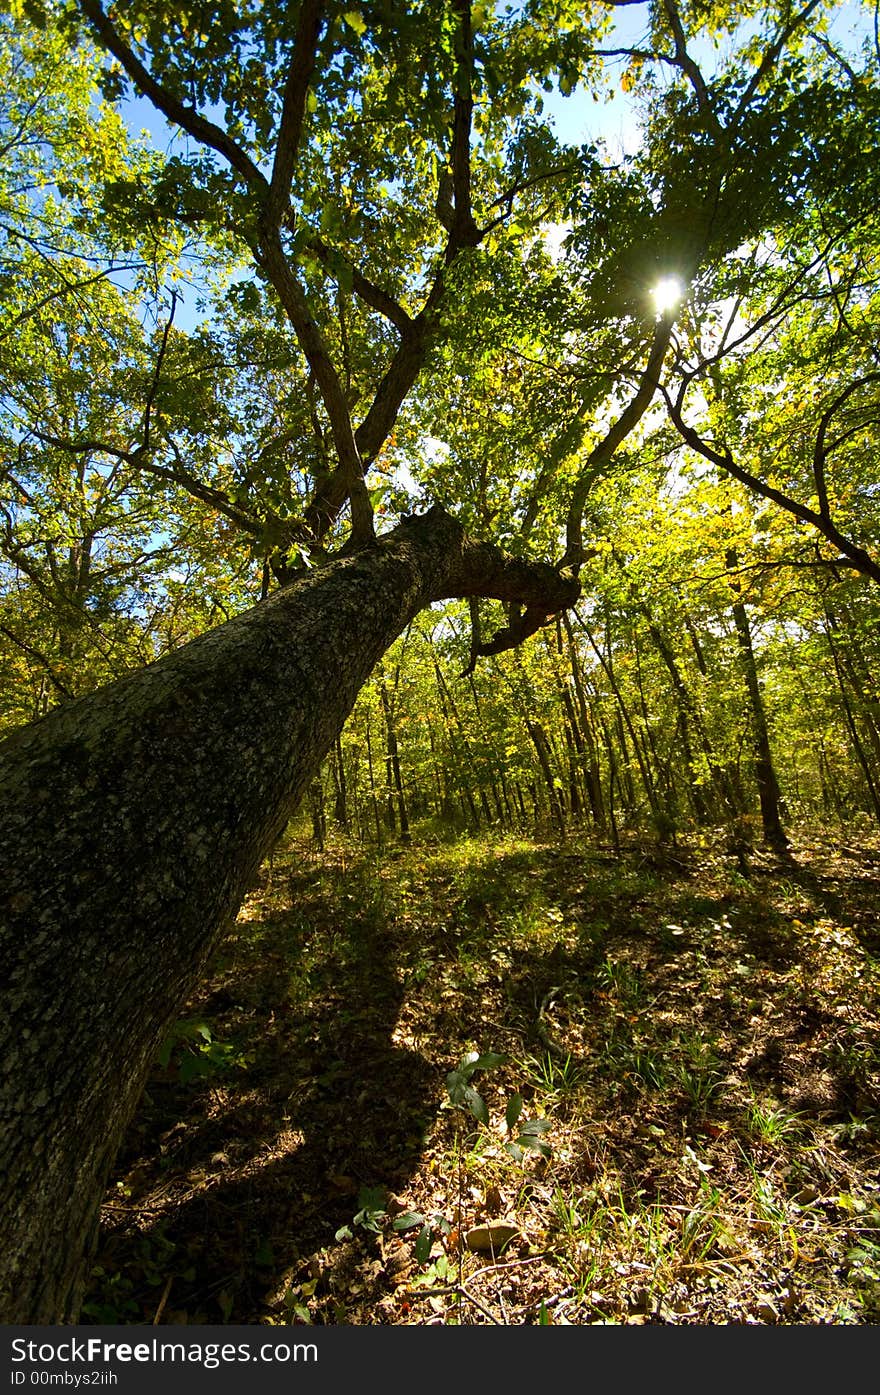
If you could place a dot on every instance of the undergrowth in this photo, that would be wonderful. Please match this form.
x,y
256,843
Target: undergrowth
x,y
678,1085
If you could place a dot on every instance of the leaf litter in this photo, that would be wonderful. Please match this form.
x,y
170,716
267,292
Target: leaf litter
x,y
694,1051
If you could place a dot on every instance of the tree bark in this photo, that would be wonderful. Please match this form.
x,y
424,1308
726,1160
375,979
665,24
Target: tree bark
x,y
769,795
131,823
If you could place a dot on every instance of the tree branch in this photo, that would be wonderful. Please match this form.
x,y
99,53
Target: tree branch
x,y
463,231
347,480
40,659
685,62
138,459
371,294
857,557
601,454
822,449
154,385
770,57
187,118
296,90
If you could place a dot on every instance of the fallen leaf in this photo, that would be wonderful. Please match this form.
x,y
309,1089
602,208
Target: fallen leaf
x,y
492,1237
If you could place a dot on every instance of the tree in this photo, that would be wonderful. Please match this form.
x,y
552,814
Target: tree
x,y
378,178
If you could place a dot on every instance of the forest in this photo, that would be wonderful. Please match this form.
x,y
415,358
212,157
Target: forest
x,y
440,662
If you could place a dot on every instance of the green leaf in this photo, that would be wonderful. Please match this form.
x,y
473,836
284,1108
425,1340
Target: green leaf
x,y
265,1254
513,1111
488,1061
476,1104
535,1126
408,1220
536,1145
423,1244
372,1199
355,21
456,1085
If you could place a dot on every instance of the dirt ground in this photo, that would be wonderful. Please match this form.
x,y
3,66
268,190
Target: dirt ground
x,y
676,1119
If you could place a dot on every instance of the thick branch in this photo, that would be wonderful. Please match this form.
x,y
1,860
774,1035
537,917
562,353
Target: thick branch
x,y
601,454
482,569
685,62
463,231
347,480
187,118
296,91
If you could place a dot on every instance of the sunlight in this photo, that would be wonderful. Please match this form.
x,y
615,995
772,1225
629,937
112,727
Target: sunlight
x,y
667,293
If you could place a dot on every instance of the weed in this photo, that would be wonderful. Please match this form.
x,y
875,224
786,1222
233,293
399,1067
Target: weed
x,y
863,1272
632,1063
197,1053
772,1123
699,1073
552,1077
622,980
703,1227
110,1298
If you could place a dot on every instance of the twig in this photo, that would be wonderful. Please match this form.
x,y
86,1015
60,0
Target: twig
x,y
509,1264
459,1291
163,1300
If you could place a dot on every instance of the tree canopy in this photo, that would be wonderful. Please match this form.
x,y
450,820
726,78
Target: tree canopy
x,y
401,286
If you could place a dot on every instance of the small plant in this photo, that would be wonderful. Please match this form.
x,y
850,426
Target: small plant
x,y
648,1066
553,1076
863,1272
197,1052
703,1226
631,1063
772,1123
371,1212
110,1299
464,1097
699,1074
619,978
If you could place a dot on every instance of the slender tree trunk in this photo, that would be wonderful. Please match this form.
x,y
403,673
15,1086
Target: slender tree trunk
x,y
131,824
690,716
543,752
392,768
765,771
591,767
624,720
852,725
374,798
463,763
318,813
340,791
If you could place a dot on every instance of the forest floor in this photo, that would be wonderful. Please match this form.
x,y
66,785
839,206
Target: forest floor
x,y
691,1040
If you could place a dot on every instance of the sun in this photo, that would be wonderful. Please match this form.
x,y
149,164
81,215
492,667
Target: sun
x,y
667,293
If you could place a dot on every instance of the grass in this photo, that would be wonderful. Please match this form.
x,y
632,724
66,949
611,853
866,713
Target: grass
x,y
695,1049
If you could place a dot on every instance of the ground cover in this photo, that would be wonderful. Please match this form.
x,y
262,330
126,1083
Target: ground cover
x,y
683,1128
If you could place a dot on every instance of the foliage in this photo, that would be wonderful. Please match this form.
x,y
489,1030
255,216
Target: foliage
x,y
367,281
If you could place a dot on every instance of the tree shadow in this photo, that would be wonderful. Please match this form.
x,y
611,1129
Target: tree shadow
x,y
225,1184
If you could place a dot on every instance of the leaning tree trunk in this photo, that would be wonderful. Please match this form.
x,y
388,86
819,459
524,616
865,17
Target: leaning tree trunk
x,y
131,822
